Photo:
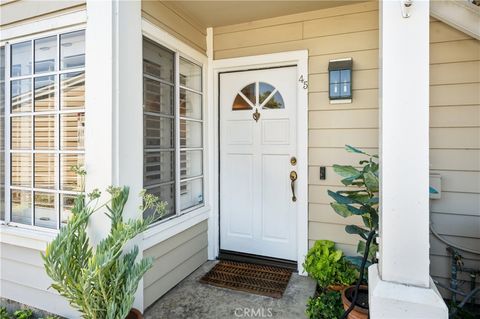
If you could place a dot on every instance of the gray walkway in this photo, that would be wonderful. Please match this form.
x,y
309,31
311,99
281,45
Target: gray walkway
x,y
193,300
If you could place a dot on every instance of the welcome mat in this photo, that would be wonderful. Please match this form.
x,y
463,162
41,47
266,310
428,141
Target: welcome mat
x,y
257,279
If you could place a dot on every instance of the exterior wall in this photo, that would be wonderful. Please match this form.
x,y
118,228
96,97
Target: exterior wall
x,y
455,145
22,276
346,31
23,279
17,12
174,259
166,17
352,31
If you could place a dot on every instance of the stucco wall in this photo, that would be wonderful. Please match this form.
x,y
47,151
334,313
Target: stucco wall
x,y
174,259
352,31
166,17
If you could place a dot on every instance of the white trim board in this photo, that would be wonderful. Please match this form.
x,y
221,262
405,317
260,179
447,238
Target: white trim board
x,y
299,58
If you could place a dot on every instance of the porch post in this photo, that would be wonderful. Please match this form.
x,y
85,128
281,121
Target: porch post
x,y
114,113
400,285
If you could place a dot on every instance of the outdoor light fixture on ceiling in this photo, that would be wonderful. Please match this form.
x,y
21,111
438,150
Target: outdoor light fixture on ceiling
x,y
340,80
406,6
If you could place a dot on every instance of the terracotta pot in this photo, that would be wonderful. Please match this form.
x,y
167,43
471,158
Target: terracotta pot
x,y
134,314
357,312
336,287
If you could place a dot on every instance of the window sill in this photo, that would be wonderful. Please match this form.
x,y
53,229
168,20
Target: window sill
x,y
174,226
28,238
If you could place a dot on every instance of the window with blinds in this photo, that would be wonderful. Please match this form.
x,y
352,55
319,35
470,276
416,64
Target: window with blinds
x,y
45,118
173,129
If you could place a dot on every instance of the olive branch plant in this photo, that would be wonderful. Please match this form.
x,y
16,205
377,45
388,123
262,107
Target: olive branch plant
x,y
100,281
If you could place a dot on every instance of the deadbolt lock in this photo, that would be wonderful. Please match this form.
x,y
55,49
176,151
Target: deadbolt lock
x,y
293,160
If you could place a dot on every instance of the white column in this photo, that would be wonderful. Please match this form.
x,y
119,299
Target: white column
x,y
114,113
400,285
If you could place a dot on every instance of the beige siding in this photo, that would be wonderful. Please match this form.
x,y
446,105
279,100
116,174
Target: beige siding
x,y
455,145
347,31
352,31
174,259
23,279
176,23
21,11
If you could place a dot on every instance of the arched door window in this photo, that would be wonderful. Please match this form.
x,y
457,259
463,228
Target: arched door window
x,y
258,95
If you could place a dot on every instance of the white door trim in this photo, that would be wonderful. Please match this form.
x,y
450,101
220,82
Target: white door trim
x,y
299,58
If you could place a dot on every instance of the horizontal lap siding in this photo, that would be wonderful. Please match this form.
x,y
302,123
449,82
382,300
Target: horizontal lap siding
x,y
23,279
455,146
347,31
165,16
352,31
174,259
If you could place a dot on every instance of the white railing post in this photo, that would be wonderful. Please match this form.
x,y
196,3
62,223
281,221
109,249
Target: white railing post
x,y
400,285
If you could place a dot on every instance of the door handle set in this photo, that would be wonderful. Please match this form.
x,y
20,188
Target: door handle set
x,y
293,178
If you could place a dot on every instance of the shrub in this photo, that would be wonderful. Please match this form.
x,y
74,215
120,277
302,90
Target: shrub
x,y
23,314
328,266
327,305
100,281
4,313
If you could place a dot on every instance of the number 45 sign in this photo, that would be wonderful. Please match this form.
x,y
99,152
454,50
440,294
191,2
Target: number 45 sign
x,y
304,82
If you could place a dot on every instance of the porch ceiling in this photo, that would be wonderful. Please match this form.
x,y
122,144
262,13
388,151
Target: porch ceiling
x,y
226,12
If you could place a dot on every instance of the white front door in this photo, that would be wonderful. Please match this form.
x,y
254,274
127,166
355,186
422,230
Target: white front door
x,y
258,141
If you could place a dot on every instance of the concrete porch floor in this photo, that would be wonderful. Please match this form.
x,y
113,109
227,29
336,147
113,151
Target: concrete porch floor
x,y
191,299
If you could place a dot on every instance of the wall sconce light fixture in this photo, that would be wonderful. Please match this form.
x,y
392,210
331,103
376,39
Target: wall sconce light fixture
x,y
340,80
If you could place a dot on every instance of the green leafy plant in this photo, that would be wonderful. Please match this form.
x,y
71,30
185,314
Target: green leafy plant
x,y
100,281
360,199
4,313
327,305
328,266
23,314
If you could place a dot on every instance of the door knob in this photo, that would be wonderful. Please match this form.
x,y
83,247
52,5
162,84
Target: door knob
x,y
293,178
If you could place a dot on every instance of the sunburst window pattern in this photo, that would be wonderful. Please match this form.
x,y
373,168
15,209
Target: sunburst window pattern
x,y
260,95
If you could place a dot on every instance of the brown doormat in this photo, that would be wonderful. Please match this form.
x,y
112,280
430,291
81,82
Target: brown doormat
x,y
258,279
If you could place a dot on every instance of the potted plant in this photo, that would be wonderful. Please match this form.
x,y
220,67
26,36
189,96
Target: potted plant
x,y
100,281
328,266
360,199
327,305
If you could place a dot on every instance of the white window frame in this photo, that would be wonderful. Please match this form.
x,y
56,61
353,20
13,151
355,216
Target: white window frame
x,y
182,220
22,37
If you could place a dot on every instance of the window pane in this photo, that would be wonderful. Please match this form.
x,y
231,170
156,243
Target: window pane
x,y
250,93
67,202
21,59
44,93
334,90
159,167
21,169
2,133
191,164
45,54
158,97
191,193
45,176
345,86
158,132
190,134
275,102
265,90
71,181
21,207
72,50
334,77
72,133
21,95
45,132
345,76
158,61
21,132
240,104
190,104
190,75
45,210
72,90
166,193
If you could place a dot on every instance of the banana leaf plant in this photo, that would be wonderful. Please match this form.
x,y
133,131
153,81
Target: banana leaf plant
x,y
360,198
